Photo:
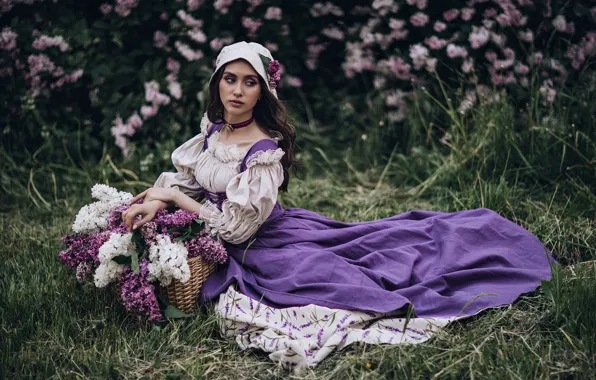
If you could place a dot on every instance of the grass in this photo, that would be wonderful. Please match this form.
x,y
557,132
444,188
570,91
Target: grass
x,y
53,328
540,177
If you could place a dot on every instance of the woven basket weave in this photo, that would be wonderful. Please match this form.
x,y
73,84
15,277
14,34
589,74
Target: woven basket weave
x,y
184,295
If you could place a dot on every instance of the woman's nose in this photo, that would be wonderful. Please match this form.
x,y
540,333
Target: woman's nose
x,y
238,89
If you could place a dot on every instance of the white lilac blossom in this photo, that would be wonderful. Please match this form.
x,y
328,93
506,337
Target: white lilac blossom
x,y
251,25
454,51
478,37
419,19
8,39
187,52
188,20
197,35
467,65
273,47
273,13
148,111
153,95
293,81
420,4
44,42
160,40
109,270
175,89
193,5
107,273
439,26
396,24
435,43
222,6
560,24
105,8
527,36
322,9
333,33
94,217
419,55
168,261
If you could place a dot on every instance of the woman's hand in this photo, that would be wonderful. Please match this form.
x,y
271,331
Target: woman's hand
x,y
147,210
166,195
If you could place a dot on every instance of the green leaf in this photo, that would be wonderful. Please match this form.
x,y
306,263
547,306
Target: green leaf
x,y
176,229
140,245
121,259
196,227
162,300
265,61
173,312
134,262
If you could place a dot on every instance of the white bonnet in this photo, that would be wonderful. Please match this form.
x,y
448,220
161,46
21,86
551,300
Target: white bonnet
x,y
249,51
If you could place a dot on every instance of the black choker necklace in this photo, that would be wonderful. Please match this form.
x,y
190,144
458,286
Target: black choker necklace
x,y
232,127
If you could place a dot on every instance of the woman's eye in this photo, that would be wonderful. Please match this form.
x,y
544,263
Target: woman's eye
x,y
232,80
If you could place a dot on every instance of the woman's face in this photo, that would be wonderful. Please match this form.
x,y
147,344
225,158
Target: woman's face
x,y
239,90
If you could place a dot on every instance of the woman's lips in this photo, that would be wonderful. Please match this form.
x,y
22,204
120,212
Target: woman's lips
x,y
235,103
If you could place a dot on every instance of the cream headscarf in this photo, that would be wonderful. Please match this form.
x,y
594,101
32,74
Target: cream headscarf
x,y
253,53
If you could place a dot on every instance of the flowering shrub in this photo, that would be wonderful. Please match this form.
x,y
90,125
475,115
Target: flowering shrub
x,y
492,43
102,247
126,70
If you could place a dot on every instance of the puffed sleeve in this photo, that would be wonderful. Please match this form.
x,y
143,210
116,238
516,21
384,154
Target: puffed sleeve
x,y
184,159
251,196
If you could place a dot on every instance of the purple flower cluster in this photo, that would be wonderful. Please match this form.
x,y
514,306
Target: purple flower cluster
x,y
211,250
82,248
274,73
138,294
179,218
115,220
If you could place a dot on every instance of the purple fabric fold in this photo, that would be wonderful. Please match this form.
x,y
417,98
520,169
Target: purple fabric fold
x,y
443,264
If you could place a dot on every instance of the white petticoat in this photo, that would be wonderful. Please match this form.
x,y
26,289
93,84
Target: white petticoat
x,y
297,337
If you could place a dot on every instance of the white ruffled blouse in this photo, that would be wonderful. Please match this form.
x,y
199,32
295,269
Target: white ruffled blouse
x,y
251,194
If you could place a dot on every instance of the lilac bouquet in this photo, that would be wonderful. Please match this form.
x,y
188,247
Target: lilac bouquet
x,y
101,248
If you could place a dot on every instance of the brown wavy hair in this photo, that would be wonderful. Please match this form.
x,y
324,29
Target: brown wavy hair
x,y
270,115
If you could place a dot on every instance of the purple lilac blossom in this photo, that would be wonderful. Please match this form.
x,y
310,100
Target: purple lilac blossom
x,y
82,248
211,250
138,294
179,218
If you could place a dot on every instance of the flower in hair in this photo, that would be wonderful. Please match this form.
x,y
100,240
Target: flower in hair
x,y
274,73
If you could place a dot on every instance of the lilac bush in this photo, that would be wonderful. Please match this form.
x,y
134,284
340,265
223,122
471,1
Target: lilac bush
x,y
492,43
126,71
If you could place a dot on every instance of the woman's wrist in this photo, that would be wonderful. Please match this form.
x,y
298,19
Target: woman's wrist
x,y
185,202
176,197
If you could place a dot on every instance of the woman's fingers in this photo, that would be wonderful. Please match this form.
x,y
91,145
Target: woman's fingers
x,y
146,218
129,216
137,197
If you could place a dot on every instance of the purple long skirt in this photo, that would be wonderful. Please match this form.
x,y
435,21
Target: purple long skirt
x,y
443,264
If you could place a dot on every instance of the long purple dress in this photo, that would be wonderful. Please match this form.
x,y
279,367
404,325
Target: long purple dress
x,y
443,264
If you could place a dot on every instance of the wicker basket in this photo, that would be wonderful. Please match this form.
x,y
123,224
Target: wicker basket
x,y
184,295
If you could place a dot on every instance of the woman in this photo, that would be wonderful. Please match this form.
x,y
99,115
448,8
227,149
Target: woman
x,y
442,265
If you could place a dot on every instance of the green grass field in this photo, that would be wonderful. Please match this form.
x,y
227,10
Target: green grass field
x,y
53,328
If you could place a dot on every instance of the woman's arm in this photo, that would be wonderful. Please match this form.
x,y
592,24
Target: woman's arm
x,y
185,202
156,198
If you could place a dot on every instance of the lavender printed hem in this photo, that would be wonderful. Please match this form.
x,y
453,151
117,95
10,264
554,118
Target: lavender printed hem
x,y
299,337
